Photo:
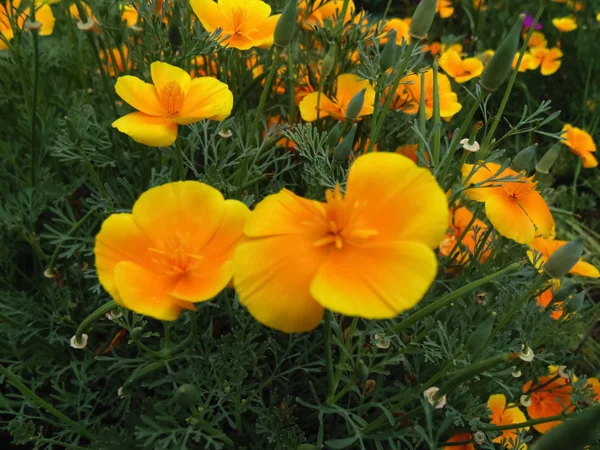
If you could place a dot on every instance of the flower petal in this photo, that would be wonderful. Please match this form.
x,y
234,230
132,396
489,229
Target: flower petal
x,y
209,14
509,219
497,403
148,130
349,85
308,107
393,277
163,74
207,98
585,269
142,96
44,15
479,176
263,35
536,208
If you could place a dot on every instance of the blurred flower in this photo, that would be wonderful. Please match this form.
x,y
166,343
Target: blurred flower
x,y
88,11
400,25
408,95
445,8
540,250
537,40
299,256
18,16
480,5
460,218
174,99
581,143
410,151
528,22
527,62
515,208
550,396
113,62
79,343
565,24
548,59
486,56
129,15
460,437
244,23
544,299
503,414
430,394
172,251
314,105
459,69
594,383
324,10
204,66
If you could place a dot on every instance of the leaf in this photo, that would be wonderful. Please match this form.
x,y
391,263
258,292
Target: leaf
x,y
341,443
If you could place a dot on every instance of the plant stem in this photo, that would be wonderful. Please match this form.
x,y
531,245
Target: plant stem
x,y
437,134
512,426
180,164
105,82
15,381
328,356
265,93
35,150
107,307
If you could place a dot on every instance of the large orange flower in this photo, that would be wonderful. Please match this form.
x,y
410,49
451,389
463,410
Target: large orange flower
x,y
408,95
322,10
244,23
581,143
174,99
460,218
541,249
173,250
460,437
503,414
462,70
348,85
368,253
547,59
550,396
515,207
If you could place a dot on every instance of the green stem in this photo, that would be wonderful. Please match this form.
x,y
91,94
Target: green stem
x,y
107,307
105,82
328,356
437,134
529,423
35,151
180,163
73,229
452,296
387,9
265,94
16,382
422,114
95,178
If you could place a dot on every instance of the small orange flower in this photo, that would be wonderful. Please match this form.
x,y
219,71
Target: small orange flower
x,y
545,298
594,383
527,63
113,62
547,58
409,150
445,8
541,249
129,15
204,66
460,218
515,207
348,85
460,437
244,23
550,396
503,414
172,251
537,40
479,4
400,25
581,143
565,24
324,10
459,69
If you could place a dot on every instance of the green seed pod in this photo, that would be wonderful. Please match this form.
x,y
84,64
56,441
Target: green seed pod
x,y
333,138
286,25
481,334
388,55
422,19
186,395
565,291
306,447
575,303
344,149
500,66
174,33
355,105
574,434
549,158
525,159
563,259
136,334
328,61
361,371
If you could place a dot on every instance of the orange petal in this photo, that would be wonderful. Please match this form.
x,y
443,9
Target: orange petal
x,y
481,192
142,96
207,98
163,74
537,210
509,219
585,269
349,85
497,403
308,107
148,130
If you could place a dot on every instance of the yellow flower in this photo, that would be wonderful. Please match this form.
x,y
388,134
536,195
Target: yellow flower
x,y
408,95
88,11
479,4
445,8
129,15
515,208
486,56
459,69
547,58
503,414
565,24
173,250
244,23
527,63
367,254
537,40
174,99
8,14
324,10
400,25
347,86
581,143
541,249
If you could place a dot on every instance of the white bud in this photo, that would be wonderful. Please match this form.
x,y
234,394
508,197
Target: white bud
x,y
32,26
562,372
382,341
526,401
526,353
430,393
114,314
226,133
516,373
85,26
79,343
479,437
120,393
474,147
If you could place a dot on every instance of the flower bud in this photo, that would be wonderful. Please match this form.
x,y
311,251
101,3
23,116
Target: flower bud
x,y
344,149
575,303
574,434
422,19
388,55
563,259
175,38
500,66
328,61
525,159
355,105
333,138
443,315
136,334
186,395
286,25
479,338
565,291
361,371
548,160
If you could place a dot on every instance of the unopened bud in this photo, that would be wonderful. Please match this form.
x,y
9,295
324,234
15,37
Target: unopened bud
x,y
422,19
479,338
344,149
388,55
286,25
328,61
333,138
355,105
563,259
549,158
136,334
361,371
525,159
186,395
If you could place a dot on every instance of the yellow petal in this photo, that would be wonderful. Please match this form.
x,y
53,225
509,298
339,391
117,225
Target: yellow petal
x,y
263,36
509,219
209,14
163,74
497,404
272,277
585,269
146,293
348,85
478,177
148,130
392,277
44,15
451,63
308,107
397,198
208,98
537,210
142,96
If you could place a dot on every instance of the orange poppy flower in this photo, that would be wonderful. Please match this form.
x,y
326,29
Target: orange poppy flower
x,y
459,220
515,208
536,40
172,251
348,85
129,15
565,24
244,23
174,99
594,383
541,249
503,414
445,8
8,14
545,298
400,25
527,63
550,396
389,221
459,69
460,437
547,58
581,143
113,63
323,10
409,150
408,95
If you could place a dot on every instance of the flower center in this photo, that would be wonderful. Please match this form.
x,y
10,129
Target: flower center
x,y
176,254
238,20
171,97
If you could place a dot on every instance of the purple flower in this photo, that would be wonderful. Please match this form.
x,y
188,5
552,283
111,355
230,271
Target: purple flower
x,y
529,21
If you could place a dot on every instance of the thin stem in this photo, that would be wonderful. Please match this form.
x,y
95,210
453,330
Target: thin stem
x,y
512,426
180,164
387,9
95,178
328,356
93,317
35,151
265,93
73,229
105,81
437,134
